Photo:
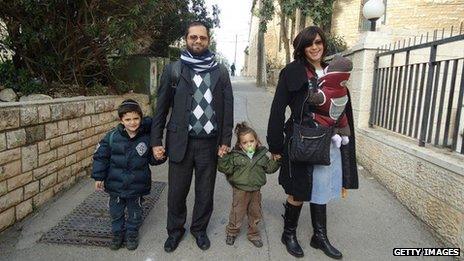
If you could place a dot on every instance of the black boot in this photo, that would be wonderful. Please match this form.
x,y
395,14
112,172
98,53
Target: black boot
x,y
292,213
116,241
319,239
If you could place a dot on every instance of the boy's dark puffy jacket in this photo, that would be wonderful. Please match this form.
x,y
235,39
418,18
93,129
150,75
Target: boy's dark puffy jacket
x,y
124,166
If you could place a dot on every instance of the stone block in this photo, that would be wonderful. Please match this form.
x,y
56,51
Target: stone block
x,y
7,218
100,106
80,155
9,118
87,162
15,138
90,151
62,151
39,173
10,155
64,174
95,120
56,165
73,147
75,168
19,181
51,130
57,111
86,122
2,141
48,182
71,159
23,209
43,146
75,125
47,157
89,107
56,142
29,115
10,170
31,189
42,197
35,134
72,137
44,113
3,188
11,199
87,142
63,127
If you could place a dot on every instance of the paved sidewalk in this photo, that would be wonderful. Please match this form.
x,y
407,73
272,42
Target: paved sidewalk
x,y
365,226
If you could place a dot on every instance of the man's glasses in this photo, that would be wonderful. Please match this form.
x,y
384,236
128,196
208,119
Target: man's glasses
x,y
195,37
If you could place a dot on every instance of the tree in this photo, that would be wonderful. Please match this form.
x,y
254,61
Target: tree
x,y
74,42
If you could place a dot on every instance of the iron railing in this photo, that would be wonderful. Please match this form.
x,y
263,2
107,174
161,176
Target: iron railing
x,y
422,100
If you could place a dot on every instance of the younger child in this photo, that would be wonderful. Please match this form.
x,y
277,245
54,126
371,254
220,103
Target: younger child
x,y
121,167
246,167
332,97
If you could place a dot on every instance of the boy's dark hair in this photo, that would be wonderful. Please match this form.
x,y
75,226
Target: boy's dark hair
x,y
241,129
197,23
306,38
129,105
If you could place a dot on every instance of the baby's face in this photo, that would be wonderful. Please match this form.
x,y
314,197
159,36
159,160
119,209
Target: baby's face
x,y
248,142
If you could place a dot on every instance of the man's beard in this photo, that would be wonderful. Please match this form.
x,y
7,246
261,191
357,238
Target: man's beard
x,y
192,51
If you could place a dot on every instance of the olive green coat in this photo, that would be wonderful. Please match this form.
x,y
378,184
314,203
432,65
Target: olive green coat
x,y
245,173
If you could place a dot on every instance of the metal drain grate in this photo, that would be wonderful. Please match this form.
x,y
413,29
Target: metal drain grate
x,y
90,222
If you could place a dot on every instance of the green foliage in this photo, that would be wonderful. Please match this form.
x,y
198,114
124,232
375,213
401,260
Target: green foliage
x,y
265,13
72,42
18,79
335,44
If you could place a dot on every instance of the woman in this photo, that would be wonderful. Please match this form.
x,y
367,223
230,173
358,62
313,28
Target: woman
x,y
303,182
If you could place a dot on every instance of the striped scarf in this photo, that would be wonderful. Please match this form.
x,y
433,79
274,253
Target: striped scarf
x,y
200,64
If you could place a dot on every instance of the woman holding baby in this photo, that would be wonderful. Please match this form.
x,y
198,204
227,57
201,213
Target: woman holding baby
x,y
317,96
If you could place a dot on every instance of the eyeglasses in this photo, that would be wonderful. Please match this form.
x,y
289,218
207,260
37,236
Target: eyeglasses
x,y
317,42
195,37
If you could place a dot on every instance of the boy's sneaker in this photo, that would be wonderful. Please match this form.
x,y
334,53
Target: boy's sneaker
x,y
257,242
116,241
230,240
132,241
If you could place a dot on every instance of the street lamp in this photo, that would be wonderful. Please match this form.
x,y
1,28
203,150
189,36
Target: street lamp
x,y
373,10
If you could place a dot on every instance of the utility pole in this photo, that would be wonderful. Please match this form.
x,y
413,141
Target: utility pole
x,y
235,55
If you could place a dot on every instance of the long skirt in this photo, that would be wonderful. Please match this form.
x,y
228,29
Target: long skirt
x,y
327,180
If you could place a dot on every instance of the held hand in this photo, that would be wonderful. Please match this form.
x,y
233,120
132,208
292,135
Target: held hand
x,y
99,185
276,156
223,150
158,152
344,193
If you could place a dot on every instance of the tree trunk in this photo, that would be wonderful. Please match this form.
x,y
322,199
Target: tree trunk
x,y
261,66
284,33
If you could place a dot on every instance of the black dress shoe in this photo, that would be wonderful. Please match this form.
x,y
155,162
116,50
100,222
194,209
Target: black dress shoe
x,y
172,242
203,241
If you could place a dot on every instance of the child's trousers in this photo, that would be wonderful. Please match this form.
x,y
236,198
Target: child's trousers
x,y
245,203
134,214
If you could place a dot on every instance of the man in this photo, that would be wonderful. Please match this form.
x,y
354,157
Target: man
x,y
199,130
232,69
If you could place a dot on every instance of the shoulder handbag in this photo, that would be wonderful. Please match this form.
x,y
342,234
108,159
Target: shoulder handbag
x,y
310,145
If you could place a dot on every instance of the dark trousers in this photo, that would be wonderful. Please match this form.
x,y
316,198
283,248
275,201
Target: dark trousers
x,y
201,156
117,212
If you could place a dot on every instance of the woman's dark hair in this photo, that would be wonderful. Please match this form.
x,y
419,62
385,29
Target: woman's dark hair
x,y
241,129
129,105
197,23
306,38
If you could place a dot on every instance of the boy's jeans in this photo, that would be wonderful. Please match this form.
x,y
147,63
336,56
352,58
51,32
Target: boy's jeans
x,y
134,214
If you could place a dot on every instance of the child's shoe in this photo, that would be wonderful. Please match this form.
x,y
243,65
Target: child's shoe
x,y
230,240
116,241
257,242
132,241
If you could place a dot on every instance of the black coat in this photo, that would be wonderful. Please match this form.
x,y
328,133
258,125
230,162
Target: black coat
x,y
123,162
180,100
291,91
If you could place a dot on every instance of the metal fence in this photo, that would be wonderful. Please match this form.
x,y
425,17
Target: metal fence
x,y
422,100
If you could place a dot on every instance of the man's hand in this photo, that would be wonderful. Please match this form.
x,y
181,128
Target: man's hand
x,y
276,156
99,186
158,152
223,150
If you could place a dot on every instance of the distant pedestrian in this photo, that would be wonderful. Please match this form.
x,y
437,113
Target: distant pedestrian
x,y
121,168
246,167
232,69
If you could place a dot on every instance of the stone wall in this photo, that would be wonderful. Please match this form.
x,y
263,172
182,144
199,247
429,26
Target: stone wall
x,y
403,18
46,146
